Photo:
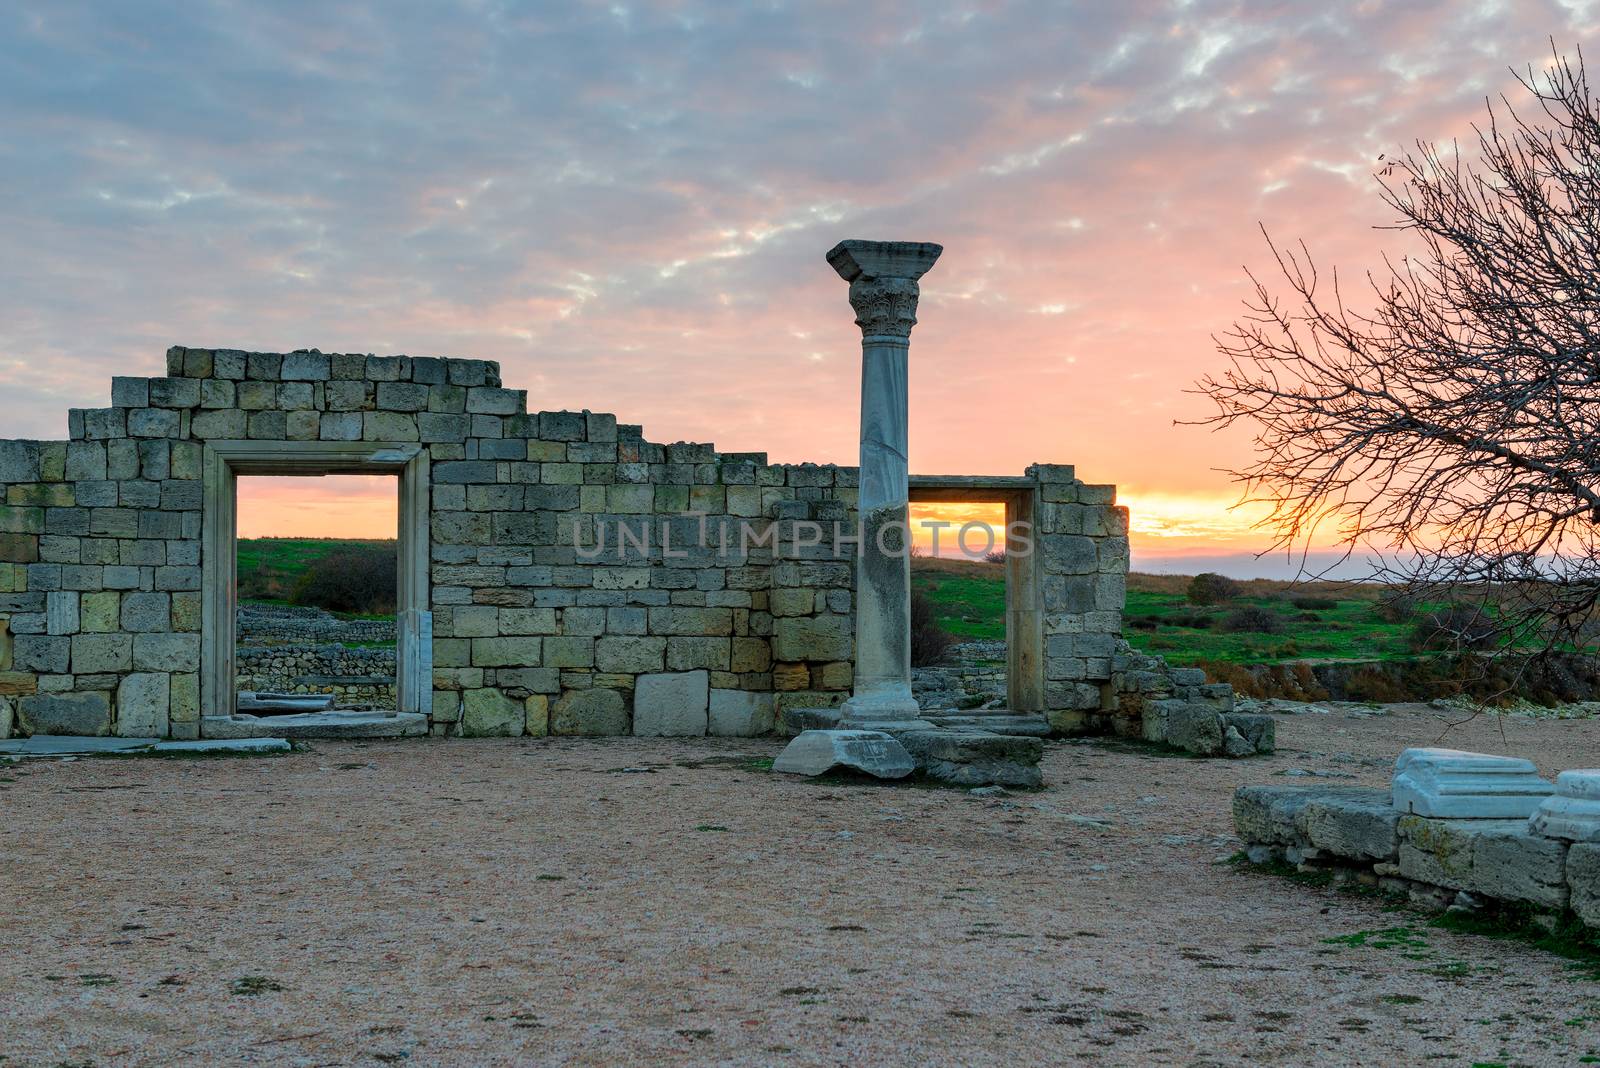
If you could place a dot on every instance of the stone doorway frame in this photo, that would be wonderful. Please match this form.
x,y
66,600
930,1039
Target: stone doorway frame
x,y
223,463
1024,619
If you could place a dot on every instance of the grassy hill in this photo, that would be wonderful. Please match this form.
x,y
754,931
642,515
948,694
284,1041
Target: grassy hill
x,y
269,568
1315,620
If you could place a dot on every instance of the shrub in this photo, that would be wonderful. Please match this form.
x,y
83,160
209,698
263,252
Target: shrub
x,y
1197,620
1397,607
351,580
929,644
1314,604
1212,588
995,556
1252,619
1455,626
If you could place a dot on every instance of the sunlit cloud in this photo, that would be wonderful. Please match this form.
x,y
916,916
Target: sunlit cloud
x,y
628,206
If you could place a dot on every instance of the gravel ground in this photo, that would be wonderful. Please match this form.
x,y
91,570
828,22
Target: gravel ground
x,y
669,902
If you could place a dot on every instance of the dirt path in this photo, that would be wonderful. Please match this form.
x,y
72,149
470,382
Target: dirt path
x,y
478,903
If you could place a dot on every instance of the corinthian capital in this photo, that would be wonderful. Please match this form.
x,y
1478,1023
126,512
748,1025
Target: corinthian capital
x,y
883,282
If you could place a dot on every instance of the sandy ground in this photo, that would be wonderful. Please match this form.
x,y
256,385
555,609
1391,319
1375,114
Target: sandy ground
x,y
530,902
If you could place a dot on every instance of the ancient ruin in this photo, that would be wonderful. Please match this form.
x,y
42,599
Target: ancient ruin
x,y
559,573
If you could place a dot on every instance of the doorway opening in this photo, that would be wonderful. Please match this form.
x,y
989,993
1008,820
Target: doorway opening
x,y
973,579
317,570
320,615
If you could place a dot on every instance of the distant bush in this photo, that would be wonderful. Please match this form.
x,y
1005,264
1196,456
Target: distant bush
x,y
995,556
1314,604
1211,588
351,580
1399,607
1252,619
929,644
1455,626
1197,620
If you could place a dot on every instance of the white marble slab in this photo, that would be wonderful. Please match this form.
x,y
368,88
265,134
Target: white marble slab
x,y
1573,811
1453,784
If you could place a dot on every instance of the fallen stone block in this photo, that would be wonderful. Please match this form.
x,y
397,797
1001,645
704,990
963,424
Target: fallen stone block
x,y
1573,811
1451,784
1260,731
818,751
1271,815
1194,727
1359,824
975,757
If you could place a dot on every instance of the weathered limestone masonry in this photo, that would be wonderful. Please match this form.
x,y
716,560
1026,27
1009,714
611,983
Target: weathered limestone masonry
x,y
1547,855
355,677
540,621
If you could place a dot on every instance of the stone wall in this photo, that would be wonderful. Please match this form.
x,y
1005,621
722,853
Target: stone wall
x,y
538,627
266,624
364,677
1355,834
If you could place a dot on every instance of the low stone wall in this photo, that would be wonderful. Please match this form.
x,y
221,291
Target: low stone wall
x,y
1178,707
270,624
974,676
1356,834
353,676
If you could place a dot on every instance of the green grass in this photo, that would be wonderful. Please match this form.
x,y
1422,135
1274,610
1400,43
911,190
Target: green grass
x,y
969,600
1165,623
969,603
270,567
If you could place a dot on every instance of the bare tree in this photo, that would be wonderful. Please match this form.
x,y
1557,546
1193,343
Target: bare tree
x,y
1454,426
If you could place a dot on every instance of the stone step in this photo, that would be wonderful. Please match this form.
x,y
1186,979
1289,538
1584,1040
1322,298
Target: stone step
x,y
317,725
998,722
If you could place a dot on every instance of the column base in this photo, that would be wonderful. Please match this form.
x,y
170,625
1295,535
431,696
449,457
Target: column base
x,y
889,703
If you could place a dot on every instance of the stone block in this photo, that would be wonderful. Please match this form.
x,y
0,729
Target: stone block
x,y
1583,881
1357,824
166,652
44,654
67,713
306,367
507,652
61,613
1271,814
536,715
589,713
569,652
1194,727
812,638
388,426
1260,731
739,713
1518,866
1439,851
147,612
630,654
143,704
816,752
976,757
488,713
1573,811
672,705
1451,784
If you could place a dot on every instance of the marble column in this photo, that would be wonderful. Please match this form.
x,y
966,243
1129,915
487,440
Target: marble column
x,y
883,290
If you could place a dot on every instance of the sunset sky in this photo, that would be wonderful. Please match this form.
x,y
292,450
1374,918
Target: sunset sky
x,y
627,205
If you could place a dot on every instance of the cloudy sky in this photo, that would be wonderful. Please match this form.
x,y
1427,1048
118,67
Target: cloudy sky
x,y
627,204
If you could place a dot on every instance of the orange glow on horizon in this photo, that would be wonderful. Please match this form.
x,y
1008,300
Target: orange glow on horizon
x,y
333,506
